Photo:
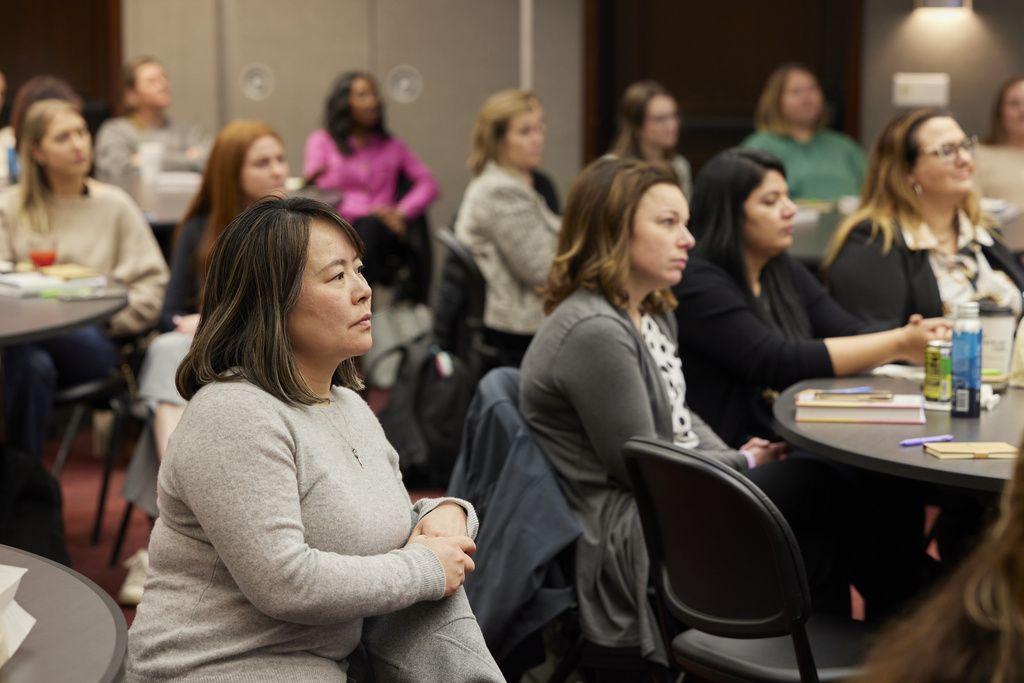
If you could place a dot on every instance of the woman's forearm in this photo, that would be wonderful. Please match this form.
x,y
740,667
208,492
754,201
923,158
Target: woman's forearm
x,y
853,355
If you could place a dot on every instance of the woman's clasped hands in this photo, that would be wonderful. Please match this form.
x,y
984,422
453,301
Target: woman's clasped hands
x,y
443,530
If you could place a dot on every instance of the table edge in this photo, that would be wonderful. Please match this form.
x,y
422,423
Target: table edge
x,y
36,335
120,626
960,480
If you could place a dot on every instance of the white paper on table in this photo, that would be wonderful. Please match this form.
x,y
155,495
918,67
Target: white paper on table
x,y
911,372
15,622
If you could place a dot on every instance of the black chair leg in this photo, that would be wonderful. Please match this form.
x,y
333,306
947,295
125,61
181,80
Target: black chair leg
x,y
120,411
68,439
122,531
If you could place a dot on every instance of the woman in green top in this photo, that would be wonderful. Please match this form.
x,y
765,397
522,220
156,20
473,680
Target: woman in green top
x,y
790,120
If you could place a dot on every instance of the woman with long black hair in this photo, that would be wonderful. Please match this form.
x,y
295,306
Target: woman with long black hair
x,y
752,320
355,155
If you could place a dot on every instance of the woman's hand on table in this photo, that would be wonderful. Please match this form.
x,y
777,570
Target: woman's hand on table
x,y
447,519
765,451
454,554
918,332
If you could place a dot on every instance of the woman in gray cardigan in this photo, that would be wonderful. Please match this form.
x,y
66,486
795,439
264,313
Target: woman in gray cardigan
x,y
283,519
603,368
506,222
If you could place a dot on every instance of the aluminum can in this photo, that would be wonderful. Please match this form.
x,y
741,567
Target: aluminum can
x,y
938,372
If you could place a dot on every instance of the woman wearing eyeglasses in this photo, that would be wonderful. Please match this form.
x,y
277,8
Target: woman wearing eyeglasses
x,y
919,242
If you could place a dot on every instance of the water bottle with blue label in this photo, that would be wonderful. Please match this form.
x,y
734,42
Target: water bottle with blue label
x,y
967,361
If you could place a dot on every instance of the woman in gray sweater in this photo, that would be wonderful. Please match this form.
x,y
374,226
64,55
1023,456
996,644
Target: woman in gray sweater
x,y
283,519
603,368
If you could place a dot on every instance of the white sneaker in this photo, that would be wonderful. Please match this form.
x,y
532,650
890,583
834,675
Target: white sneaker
x,y
131,591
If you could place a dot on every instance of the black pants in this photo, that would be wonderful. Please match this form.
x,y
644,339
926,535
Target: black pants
x,y
853,527
510,347
384,250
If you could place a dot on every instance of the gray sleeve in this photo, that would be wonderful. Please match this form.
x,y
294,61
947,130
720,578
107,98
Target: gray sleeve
x,y
712,445
524,237
425,506
116,143
239,480
598,370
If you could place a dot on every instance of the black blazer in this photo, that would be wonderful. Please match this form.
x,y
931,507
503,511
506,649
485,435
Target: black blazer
x,y
732,356
885,289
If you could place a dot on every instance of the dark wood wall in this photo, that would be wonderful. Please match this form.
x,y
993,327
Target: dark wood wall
x,y
77,40
715,57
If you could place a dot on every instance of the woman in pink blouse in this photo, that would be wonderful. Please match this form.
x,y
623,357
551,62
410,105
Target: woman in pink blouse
x,y
355,155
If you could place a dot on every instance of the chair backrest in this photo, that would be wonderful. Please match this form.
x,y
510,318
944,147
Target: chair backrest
x,y
463,323
723,558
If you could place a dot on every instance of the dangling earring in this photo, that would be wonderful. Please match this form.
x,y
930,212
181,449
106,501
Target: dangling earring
x,y
917,189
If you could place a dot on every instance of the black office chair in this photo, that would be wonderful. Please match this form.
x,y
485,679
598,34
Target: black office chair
x,y
113,392
459,316
724,562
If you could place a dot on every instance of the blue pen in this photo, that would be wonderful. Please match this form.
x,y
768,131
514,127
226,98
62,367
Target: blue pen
x,y
848,390
921,440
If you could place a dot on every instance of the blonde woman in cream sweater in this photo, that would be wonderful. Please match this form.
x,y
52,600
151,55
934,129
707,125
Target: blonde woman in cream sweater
x,y
88,223
505,221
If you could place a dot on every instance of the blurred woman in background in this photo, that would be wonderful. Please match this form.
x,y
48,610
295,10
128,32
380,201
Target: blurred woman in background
x,y
791,122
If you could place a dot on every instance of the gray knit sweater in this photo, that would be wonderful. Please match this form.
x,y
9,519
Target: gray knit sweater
x,y
281,528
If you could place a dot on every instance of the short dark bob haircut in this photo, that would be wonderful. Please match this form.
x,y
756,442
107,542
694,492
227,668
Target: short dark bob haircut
x,y
256,271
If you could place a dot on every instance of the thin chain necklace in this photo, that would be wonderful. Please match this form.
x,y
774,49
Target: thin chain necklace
x,y
330,421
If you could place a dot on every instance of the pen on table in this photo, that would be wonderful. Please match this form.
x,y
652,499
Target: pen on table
x,y
921,440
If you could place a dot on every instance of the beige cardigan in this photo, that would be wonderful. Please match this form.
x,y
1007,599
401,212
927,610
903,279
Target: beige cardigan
x,y
104,230
513,236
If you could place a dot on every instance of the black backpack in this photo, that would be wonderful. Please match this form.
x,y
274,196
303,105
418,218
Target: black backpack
x,y
30,507
426,410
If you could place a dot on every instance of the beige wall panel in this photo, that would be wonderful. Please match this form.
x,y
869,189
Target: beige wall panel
x,y
978,49
306,44
465,50
182,35
558,80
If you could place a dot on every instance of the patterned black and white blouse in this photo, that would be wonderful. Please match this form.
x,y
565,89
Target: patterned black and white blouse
x,y
671,368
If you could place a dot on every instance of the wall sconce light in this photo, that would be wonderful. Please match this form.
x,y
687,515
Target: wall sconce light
x,y
942,4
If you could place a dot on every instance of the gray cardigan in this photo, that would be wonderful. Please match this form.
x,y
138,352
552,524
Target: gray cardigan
x,y
275,541
588,385
513,235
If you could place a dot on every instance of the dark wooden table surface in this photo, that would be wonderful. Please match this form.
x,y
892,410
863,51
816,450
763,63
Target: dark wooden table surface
x,y
876,447
80,634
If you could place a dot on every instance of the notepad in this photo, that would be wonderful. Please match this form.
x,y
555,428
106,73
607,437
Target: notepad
x,y
900,409
980,450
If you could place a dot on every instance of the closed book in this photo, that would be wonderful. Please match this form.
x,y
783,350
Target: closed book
x,y
899,409
962,450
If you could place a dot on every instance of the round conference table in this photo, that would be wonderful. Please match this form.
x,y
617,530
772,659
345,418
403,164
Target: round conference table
x,y
876,446
32,319
80,634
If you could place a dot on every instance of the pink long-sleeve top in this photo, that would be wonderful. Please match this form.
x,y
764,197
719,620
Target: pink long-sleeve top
x,y
367,178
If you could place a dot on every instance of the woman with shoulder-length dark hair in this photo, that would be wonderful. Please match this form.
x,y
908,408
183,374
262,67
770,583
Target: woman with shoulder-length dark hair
x,y
920,243
649,123
753,320
603,368
283,518
972,628
356,155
